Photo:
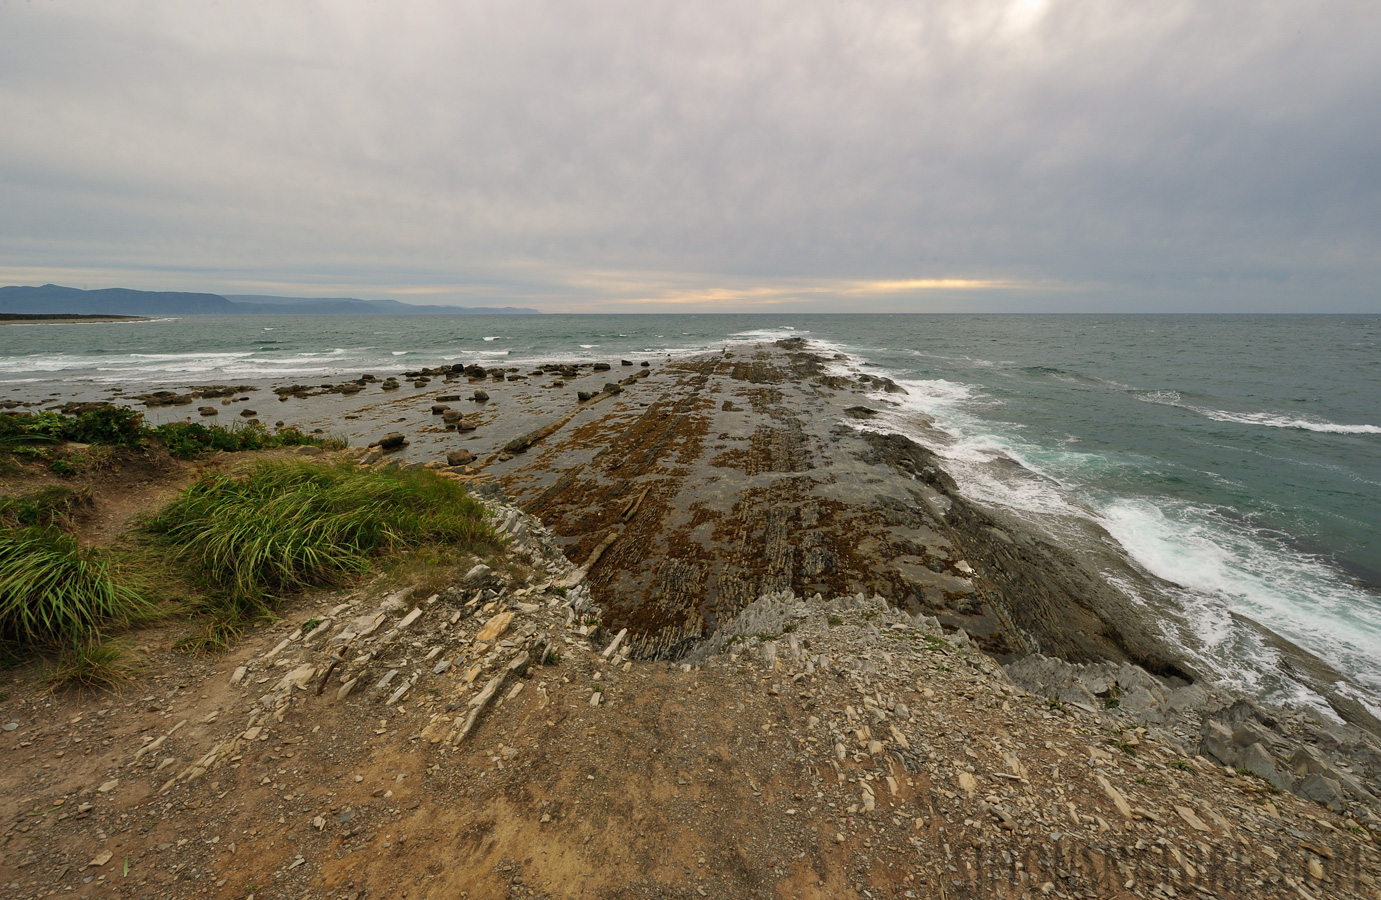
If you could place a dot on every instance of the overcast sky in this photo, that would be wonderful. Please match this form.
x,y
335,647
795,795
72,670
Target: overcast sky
x,y
1041,155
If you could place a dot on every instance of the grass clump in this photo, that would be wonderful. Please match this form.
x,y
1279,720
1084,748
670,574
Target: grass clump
x,y
52,592
92,665
217,632
291,525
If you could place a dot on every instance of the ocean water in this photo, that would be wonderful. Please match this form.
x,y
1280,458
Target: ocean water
x,y
1235,458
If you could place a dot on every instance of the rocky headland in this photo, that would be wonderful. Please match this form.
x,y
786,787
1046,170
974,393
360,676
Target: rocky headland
x,y
743,645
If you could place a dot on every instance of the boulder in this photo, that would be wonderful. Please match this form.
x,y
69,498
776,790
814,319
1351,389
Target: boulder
x,y
208,410
460,458
582,396
452,416
481,397
1259,761
1218,744
1187,699
625,362
612,388
247,413
439,409
394,440
1137,700
1322,789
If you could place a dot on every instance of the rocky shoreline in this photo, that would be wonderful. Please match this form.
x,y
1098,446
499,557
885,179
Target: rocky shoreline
x,y
499,737
952,702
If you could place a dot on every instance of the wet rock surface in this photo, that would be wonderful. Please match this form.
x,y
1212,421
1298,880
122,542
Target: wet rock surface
x,y
738,474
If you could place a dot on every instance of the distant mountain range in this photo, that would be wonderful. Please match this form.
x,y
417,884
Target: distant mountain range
x,y
53,298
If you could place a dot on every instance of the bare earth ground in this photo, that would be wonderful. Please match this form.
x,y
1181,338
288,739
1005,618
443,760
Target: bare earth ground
x,y
846,747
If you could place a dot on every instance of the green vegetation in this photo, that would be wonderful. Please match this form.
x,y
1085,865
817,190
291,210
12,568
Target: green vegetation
x,y
225,550
1181,765
53,593
92,664
187,439
835,621
115,425
291,525
121,426
47,506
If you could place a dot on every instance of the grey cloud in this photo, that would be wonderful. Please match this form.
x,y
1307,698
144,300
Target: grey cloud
x,y
1123,154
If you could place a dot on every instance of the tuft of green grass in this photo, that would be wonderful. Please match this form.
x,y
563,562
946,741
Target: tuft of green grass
x,y
216,633
291,525
52,592
835,621
92,665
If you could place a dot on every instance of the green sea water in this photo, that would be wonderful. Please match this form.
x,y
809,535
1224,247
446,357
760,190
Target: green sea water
x,y
1238,458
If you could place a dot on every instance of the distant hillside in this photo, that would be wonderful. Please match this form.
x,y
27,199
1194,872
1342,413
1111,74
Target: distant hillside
x,y
53,298
264,304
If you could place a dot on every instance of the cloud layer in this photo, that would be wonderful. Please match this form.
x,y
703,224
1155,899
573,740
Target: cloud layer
x,y
793,155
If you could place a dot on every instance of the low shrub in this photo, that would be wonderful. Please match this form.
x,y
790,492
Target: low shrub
x,y
187,439
123,426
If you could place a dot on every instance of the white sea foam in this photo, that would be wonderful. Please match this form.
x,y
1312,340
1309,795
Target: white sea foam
x,y
1228,565
1214,566
1265,419
754,335
1276,420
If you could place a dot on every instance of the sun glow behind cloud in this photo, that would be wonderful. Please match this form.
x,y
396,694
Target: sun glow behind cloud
x,y
617,290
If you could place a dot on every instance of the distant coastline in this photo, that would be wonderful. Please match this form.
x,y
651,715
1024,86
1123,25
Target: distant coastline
x,y
54,299
64,318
